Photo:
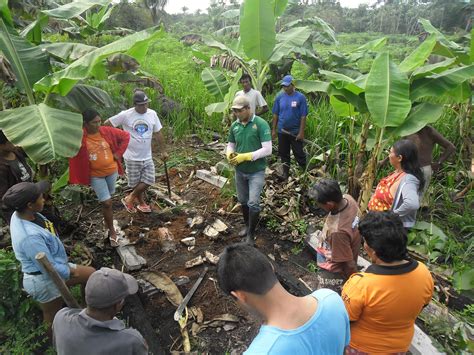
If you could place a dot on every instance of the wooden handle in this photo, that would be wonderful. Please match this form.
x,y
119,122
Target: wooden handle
x,y
58,281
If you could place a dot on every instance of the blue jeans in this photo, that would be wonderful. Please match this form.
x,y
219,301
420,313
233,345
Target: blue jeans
x,y
104,187
249,187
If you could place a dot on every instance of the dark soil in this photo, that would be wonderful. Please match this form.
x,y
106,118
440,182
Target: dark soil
x,y
293,261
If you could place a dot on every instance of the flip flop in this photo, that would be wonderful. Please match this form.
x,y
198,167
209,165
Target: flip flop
x,y
129,207
144,208
114,242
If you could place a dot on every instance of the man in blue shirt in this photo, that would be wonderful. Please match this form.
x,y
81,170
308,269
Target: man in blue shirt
x,y
314,324
289,120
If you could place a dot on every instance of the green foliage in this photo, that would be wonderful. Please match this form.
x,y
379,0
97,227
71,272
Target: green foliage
x,y
312,266
19,318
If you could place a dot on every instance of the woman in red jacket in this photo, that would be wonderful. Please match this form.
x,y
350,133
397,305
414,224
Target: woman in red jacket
x,y
98,163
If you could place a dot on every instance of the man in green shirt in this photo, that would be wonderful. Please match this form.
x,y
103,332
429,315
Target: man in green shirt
x,y
250,141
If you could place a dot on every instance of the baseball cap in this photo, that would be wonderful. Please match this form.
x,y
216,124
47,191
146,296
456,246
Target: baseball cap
x,y
19,195
107,287
240,102
139,98
287,80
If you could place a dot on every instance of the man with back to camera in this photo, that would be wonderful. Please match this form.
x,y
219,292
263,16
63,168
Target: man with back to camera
x,y
141,122
258,105
95,330
289,121
313,324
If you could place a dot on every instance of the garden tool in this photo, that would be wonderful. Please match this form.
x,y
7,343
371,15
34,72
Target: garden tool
x,y
167,179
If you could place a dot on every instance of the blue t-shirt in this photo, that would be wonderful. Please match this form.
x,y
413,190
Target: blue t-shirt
x,y
290,109
327,332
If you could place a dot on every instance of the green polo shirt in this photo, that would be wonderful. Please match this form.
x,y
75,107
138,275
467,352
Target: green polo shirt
x,y
249,138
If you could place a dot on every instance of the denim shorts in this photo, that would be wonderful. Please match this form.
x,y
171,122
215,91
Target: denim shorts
x,y
41,287
104,187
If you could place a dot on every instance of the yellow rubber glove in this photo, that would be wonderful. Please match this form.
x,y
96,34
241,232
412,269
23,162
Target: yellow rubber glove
x,y
230,155
240,158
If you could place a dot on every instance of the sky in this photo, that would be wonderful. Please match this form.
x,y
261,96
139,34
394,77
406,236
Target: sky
x,y
175,6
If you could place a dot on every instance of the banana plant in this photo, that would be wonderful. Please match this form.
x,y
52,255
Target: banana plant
x,y
395,100
260,46
45,132
71,12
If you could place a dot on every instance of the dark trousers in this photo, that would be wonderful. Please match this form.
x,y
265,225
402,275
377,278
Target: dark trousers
x,y
287,142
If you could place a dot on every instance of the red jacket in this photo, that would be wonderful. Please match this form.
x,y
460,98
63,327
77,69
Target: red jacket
x,y
118,142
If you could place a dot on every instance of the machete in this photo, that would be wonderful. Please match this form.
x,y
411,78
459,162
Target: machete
x,y
184,303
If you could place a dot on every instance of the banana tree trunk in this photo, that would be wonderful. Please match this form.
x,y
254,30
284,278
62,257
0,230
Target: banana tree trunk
x,y
357,171
368,177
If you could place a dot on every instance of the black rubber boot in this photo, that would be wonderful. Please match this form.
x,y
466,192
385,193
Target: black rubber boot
x,y
253,220
285,173
245,214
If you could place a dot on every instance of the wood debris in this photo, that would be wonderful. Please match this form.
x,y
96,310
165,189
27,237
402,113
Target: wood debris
x,y
194,262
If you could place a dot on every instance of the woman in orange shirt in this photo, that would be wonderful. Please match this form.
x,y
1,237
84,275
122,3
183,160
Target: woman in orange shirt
x,y
400,191
384,301
98,163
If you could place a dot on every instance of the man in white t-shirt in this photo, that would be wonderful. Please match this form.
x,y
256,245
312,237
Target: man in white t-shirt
x,y
142,123
258,105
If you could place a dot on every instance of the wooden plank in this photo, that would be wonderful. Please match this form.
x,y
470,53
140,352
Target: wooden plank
x,y
130,258
211,178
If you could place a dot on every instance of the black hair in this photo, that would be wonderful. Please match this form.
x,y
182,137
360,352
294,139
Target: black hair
x,y
410,163
326,190
88,115
242,267
3,138
384,233
246,76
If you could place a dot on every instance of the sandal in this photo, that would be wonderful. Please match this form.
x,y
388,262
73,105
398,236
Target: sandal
x,y
144,208
128,206
114,242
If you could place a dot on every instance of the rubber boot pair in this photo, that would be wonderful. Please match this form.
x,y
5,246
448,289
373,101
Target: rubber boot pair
x,y
285,173
250,219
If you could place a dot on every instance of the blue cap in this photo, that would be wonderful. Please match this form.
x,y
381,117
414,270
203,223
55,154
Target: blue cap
x,y
287,80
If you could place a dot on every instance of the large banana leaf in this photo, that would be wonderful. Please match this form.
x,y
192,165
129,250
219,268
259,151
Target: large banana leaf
x,y
29,63
44,133
257,29
431,69
288,42
67,52
321,31
445,47
34,31
387,93
82,97
419,116
312,85
419,56
74,8
215,82
342,108
91,64
438,84
229,14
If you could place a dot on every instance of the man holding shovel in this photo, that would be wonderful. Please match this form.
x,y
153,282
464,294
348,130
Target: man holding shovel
x,y
250,142
142,123
289,120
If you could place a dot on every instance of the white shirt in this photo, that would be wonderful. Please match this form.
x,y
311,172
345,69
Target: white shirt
x,y
141,128
255,98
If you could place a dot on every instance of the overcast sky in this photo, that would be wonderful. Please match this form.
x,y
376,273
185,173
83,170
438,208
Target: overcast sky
x,y
174,6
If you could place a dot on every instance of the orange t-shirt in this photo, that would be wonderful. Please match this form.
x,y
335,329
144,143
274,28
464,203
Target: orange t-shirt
x,y
101,159
382,199
383,304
